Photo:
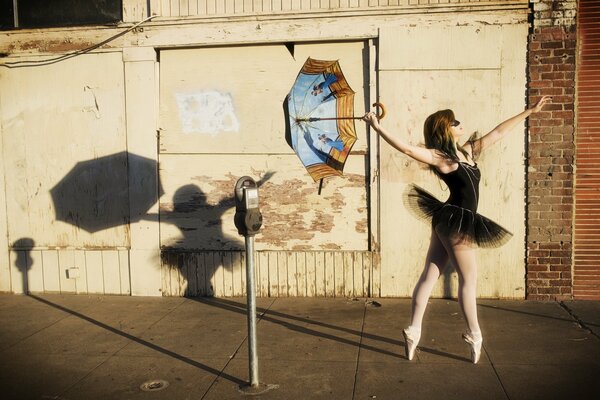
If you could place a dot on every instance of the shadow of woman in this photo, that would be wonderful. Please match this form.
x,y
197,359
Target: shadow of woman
x,y
199,258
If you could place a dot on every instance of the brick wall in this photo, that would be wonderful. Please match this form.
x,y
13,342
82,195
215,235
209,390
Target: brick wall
x,y
551,149
586,260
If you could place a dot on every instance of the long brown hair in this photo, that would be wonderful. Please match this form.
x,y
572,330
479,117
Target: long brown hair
x,y
438,135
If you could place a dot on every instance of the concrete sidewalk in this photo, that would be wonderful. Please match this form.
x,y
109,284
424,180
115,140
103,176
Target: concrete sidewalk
x,y
107,347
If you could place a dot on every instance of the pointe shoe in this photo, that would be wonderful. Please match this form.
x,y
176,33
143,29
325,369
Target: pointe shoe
x,y
411,339
475,341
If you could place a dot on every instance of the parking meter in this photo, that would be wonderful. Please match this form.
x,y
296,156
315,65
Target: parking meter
x,y
248,218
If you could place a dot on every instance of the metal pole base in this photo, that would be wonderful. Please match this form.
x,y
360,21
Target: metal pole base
x,y
257,390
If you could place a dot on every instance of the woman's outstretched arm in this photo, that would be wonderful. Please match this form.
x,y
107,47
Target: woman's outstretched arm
x,y
424,155
505,127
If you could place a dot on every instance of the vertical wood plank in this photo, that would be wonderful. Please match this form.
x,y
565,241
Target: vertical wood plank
x,y
305,5
28,274
209,262
81,282
93,261
376,280
264,276
226,258
367,274
236,274
66,260
219,276
124,271
202,7
311,274
239,6
110,272
348,274
320,273
296,5
257,6
51,272
273,275
230,7
292,273
301,273
211,7
155,7
165,8
165,274
359,278
192,7
201,276
174,8
329,274
278,5
190,261
266,6
282,274
340,275
242,256
220,7
184,7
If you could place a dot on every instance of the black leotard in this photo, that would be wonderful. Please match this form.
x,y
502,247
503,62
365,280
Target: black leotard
x,y
457,216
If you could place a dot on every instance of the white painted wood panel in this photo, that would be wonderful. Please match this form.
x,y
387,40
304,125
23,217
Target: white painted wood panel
x,y
180,8
279,273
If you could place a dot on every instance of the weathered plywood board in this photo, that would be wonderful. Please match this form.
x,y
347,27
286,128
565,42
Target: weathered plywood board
x,y
480,97
42,148
181,8
278,273
228,107
45,271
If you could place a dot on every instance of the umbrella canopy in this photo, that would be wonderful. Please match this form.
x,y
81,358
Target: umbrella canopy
x,y
320,118
95,194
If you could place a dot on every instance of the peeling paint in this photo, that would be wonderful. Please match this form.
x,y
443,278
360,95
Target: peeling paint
x,y
209,112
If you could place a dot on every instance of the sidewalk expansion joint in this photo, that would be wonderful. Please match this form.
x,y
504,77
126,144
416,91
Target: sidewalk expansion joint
x,y
362,330
495,371
235,353
578,320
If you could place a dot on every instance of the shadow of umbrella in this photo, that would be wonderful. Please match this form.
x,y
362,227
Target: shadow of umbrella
x,y
97,194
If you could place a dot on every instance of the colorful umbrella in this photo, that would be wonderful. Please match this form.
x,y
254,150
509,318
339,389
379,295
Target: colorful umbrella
x,y
320,118
319,96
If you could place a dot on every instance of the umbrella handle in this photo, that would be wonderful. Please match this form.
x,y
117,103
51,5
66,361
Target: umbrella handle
x,y
382,111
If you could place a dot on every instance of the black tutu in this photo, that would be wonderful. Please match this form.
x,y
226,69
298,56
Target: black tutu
x,y
454,221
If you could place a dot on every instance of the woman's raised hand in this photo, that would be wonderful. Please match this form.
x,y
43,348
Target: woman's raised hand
x,y
371,118
537,107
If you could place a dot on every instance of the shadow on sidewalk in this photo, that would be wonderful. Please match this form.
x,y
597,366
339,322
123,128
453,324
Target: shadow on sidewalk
x,y
279,319
217,373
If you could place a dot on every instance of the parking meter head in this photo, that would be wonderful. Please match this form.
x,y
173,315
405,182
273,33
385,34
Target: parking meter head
x,y
248,218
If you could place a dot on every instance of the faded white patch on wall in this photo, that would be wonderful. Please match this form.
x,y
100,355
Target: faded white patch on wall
x,y
209,112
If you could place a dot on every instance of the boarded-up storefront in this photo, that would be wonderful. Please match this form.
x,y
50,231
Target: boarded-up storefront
x,y
172,113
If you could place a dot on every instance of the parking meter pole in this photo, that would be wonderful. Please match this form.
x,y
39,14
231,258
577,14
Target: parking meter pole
x,y
251,300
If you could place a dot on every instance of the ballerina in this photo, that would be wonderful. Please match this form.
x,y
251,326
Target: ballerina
x,y
457,228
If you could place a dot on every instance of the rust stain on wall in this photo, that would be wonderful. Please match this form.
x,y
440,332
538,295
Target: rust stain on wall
x,y
49,46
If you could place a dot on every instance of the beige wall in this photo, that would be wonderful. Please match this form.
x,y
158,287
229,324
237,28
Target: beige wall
x,y
122,99
477,72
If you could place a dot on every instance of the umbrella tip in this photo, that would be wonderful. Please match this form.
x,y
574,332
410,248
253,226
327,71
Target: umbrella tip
x,y
290,47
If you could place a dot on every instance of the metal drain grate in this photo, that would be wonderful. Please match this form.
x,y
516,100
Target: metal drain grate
x,y
154,385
